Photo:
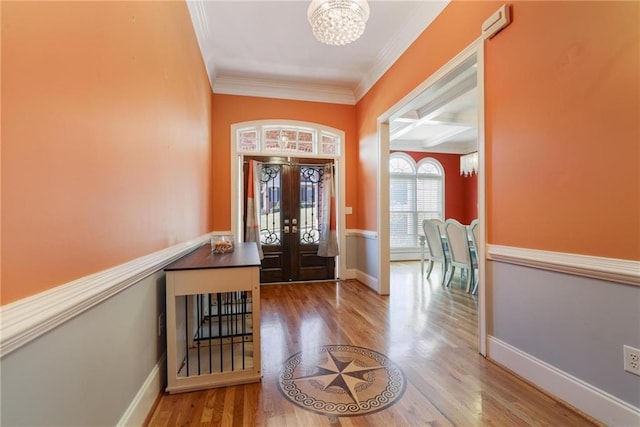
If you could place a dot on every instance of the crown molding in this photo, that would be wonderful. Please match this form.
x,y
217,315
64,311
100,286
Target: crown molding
x,y
415,26
201,30
283,90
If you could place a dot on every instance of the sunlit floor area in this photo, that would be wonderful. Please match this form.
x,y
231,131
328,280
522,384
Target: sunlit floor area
x,y
339,354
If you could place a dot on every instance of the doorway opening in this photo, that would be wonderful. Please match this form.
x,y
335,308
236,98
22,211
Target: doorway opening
x,y
460,84
290,201
292,156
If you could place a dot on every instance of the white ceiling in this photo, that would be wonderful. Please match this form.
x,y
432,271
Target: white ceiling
x,y
266,48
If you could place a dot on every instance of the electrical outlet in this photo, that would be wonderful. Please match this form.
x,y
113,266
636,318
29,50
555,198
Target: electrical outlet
x,y
160,324
631,360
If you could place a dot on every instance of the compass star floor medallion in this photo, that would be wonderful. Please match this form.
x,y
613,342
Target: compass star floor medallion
x,y
341,380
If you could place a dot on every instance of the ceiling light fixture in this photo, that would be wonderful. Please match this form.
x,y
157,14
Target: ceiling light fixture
x,y
338,22
469,164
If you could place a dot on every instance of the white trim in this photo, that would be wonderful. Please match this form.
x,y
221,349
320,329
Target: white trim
x,y
383,207
352,273
25,320
365,234
280,89
482,206
236,195
201,29
370,281
141,405
402,106
611,269
396,46
283,90
583,396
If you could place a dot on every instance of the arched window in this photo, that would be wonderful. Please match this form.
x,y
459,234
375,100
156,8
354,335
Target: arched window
x,y
287,138
430,190
416,193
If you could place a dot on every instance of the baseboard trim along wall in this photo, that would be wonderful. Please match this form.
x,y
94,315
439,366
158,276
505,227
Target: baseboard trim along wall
x,y
611,269
352,273
370,281
583,396
29,318
143,402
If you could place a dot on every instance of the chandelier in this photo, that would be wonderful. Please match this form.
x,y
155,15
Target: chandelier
x,y
469,164
338,22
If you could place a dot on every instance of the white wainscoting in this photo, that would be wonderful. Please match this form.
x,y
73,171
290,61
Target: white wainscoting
x,y
365,252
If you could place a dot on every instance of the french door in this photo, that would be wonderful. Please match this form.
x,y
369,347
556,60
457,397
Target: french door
x,y
290,218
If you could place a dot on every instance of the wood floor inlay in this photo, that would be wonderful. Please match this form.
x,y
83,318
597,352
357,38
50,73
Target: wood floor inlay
x,y
341,380
423,330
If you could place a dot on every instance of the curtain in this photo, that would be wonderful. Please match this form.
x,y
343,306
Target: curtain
x,y
328,246
252,225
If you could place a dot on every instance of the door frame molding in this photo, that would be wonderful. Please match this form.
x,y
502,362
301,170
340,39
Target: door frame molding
x,y
384,253
237,191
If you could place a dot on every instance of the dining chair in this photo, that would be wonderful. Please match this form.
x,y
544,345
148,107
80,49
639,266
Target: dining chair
x,y
435,247
460,255
473,235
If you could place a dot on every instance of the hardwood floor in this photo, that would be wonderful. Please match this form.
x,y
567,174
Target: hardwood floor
x,y
428,331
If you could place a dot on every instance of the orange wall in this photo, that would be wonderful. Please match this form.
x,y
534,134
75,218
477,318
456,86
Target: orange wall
x,y
563,123
562,101
231,109
454,29
106,111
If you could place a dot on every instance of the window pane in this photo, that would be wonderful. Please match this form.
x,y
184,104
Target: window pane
x,y
330,144
270,184
402,194
248,140
310,204
400,165
430,168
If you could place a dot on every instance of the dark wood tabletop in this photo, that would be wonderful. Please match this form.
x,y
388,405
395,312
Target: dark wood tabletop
x,y
243,255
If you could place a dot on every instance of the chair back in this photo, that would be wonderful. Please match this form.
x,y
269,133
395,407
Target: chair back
x,y
440,225
458,242
434,241
474,233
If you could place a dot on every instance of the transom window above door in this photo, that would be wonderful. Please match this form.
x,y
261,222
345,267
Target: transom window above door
x,y
287,140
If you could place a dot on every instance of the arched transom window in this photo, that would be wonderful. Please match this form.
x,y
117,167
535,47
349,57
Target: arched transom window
x,y
416,193
287,139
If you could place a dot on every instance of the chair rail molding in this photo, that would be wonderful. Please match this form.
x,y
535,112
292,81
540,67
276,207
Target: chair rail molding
x,y
610,269
25,320
366,234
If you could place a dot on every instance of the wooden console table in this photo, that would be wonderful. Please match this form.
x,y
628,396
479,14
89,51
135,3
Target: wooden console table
x,y
213,319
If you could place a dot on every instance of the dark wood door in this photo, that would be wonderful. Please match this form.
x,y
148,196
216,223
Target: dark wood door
x,y
290,216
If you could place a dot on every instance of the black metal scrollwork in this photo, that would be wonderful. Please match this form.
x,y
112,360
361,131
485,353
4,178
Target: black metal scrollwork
x,y
270,205
311,190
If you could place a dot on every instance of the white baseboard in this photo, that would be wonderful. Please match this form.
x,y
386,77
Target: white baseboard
x,y
351,273
370,281
142,403
583,396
